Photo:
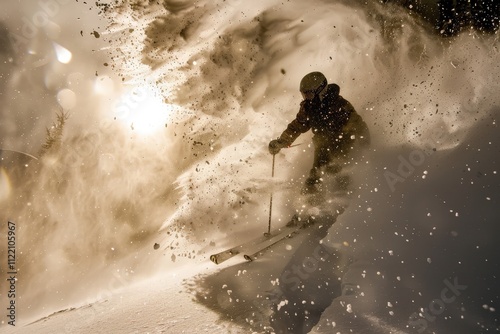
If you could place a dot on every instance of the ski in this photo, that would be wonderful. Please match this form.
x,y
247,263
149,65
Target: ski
x,y
293,230
249,246
252,254
253,247
225,255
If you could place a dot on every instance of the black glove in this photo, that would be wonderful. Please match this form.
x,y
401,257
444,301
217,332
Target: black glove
x,y
275,146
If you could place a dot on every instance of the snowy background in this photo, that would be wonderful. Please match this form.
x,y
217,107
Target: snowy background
x,y
170,109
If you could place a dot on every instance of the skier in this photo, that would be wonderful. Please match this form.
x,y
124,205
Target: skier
x,y
336,126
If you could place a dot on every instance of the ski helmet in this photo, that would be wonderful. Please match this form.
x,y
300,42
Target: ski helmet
x,y
313,82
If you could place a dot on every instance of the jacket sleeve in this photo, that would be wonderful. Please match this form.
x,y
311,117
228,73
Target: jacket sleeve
x,y
298,126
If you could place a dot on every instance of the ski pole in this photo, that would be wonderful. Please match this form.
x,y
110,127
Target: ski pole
x,y
271,197
295,145
271,201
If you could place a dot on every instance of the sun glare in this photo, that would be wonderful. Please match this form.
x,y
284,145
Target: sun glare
x,y
150,116
144,112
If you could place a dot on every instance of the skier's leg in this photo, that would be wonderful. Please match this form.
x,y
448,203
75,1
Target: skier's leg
x,y
321,158
338,162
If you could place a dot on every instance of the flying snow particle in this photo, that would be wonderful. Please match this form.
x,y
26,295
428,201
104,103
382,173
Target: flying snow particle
x,y
281,304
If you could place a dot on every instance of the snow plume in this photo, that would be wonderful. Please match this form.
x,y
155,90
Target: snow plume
x,y
181,147
234,67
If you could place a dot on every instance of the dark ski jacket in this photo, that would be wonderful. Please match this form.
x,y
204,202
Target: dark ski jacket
x,y
332,120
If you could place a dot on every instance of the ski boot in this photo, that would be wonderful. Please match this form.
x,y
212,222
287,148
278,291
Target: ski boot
x,y
299,219
313,191
311,186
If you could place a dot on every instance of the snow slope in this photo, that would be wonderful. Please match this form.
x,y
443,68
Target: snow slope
x,y
157,305
176,156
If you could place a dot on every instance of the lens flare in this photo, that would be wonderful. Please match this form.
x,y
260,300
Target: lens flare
x,y
63,55
66,98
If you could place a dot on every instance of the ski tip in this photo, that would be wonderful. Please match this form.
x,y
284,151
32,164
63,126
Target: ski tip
x,y
213,258
248,257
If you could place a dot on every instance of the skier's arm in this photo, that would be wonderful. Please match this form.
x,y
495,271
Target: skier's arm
x,y
293,131
296,127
